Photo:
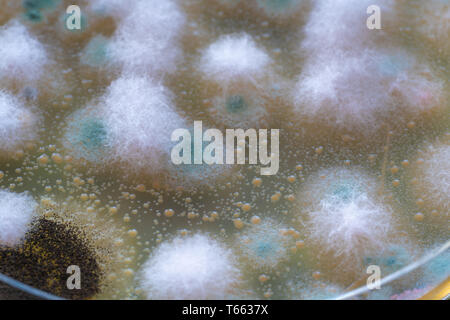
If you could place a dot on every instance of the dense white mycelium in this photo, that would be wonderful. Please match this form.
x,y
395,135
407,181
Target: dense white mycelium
x,y
232,58
360,91
239,81
341,24
16,213
22,57
139,117
195,267
344,219
17,123
147,39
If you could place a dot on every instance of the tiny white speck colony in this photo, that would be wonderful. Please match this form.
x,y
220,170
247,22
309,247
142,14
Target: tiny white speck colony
x,y
345,220
18,125
16,214
22,56
196,267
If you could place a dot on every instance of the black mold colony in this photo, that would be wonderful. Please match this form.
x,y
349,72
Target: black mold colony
x,y
43,258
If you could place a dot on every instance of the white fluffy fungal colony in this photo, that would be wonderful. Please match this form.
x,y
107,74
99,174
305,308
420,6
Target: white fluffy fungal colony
x,y
17,123
196,267
238,81
147,39
21,55
234,57
363,91
341,24
16,213
344,220
139,117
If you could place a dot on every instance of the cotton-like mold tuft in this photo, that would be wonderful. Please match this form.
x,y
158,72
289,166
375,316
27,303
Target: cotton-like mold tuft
x,y
344,218
16,213
239,82
147,39
18,124
341,24
139,117
22,56
363,91
196,267
234,57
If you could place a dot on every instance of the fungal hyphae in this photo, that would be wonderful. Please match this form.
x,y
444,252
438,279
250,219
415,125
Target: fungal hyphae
x,y
24,58
362,92
238,81
195,267
17,211
139,116
147,39
345,219
234,58
18,124
341,25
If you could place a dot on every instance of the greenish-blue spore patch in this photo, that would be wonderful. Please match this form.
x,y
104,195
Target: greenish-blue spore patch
x,y
33,9
278,6
392,65
264,249
93,134
89,138
345,190
96,52
34,15
438,269
394,258
236,104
